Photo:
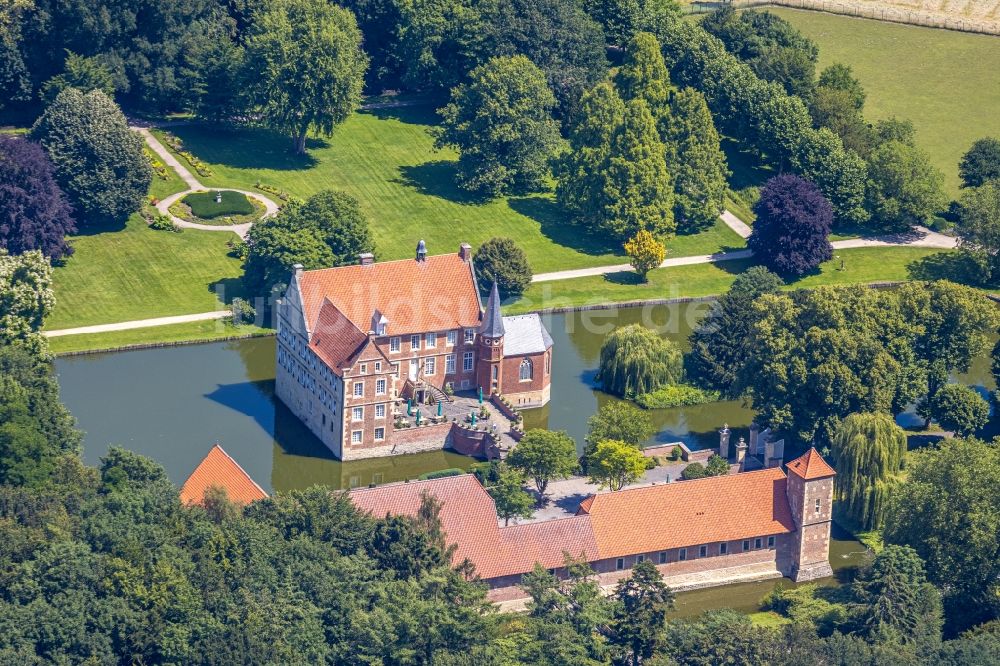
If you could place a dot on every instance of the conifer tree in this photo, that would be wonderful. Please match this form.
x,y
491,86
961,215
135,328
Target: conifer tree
x,y
869,450
643,75
700,166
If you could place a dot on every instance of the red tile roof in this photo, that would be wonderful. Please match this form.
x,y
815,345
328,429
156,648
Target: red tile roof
x,y
219,469
811,465
546,543
414,296
687,513
335,339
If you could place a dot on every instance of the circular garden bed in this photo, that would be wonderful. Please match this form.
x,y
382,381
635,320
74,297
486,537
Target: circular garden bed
x,y
222,207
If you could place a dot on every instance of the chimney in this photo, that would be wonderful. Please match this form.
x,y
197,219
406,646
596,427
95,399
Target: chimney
x,y
465,252
724,442
767,444
297,271
754,429
741,451
366,258
421,251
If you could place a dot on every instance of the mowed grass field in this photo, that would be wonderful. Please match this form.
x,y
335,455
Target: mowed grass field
x,y
946,82
387,160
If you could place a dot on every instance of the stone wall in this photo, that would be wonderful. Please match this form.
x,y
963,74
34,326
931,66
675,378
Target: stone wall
x,y
406,440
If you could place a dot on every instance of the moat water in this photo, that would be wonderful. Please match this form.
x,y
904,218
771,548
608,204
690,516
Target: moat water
x,y
172,404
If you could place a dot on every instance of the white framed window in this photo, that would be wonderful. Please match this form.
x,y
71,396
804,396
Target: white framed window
x,y
378,366
379,434
452,338
702,551
525,370
770,542
357,413
383,329
364,368
395,369
355,437
468,358
359,389
470,336
723,548
663,557
757,543
548,363
431,340
449,364
414,342
640,558
394,344
379,387
682,554
430,366
817,505
620,563
380,411
746,545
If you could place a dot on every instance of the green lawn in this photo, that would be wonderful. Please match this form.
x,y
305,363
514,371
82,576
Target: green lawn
x,y
137,273
947,83
861,265
195,331
386,158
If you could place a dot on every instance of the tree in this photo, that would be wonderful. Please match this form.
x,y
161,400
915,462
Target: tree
x,y
839,76
641,604
717,342
509,496
957,408
645,253
950,498
635,360
620,421
307,66
26,297
544,455
501,123
694,471
837,103
899,605
643,75
622,19
613,464
84,74
904,188
981,163
36,213
978,228
501,260
98,160
327,230
790,235
869,450
700,172
717,466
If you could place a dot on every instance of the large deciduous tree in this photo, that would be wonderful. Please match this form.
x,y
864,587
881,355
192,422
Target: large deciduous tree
x,y
790,235
614,464
981,163
620,421
717,343
868,450
26,297
34,213
327,230
509,495
307,67
501,260
98,160
904,188
957,408
635,360
700,170
544,455
948,511
978,228
501,123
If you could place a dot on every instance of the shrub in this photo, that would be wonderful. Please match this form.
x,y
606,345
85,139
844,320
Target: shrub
x,y
676,395
694,471
242,311
676,453
717,466
441,473
203,204
160,222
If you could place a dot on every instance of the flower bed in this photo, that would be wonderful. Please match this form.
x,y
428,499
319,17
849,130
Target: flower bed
x,y
178,146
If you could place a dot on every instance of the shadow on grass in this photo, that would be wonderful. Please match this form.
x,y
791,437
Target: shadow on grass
x,y
745,167
230,288
246,148
556,226
100,226
627,278
954,266
437,179
424,113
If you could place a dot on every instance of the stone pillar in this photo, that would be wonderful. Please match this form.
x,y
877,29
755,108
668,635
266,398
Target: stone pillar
x,y
724,442
741,451
754,430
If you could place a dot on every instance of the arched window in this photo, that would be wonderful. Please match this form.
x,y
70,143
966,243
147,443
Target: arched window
x,y
526,369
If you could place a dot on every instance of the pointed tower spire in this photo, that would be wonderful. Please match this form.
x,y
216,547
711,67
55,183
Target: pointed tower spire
x,y
492,326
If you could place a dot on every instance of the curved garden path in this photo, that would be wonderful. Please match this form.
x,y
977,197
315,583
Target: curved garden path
x,y
194,185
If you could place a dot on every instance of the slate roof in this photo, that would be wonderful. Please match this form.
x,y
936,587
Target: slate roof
x,y
688,513
811,465
493,322
218,468
526,334
414,296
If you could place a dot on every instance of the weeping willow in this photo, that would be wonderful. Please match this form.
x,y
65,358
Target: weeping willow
x,y
869,450
635,360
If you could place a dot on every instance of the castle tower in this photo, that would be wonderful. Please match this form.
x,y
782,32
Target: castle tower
x,y
810,497
489,347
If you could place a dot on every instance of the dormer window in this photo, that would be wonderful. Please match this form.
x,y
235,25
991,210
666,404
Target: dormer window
x,y
383,329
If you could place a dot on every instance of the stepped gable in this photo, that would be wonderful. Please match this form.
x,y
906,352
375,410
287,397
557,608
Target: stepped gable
x,y
218,468
810,465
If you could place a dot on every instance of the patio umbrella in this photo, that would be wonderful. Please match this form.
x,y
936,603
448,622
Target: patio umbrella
x,y
418,417
439,408
473,418
480,395
409,407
